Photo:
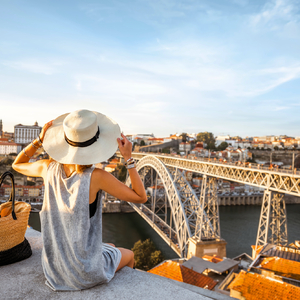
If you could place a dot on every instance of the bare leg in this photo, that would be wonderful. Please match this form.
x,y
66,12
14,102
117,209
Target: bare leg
x,y
127,258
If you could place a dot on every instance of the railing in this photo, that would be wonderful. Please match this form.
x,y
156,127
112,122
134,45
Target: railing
x,y
274,179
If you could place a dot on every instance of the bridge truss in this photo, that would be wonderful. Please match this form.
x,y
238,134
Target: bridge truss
x,y
172,208
184,215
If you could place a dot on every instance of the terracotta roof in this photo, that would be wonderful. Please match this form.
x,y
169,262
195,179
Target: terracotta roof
x,y
114,160
155,139
8,144
175,271
212,258
258,287
110,167
282,267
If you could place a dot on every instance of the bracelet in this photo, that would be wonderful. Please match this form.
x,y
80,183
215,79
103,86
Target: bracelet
x,y
26,153
131,166
129,162
34,145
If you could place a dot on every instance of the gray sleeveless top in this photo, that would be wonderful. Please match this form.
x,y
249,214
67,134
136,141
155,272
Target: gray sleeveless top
x,y
73,256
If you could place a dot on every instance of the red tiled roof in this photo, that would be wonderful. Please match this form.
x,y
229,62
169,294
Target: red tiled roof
x,y
258,287
114,160
8,143
155,139
111,166
175,271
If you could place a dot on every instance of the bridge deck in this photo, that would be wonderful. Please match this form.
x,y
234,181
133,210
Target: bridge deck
x,y
279,180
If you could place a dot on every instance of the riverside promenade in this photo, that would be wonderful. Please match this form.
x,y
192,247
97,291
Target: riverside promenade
x,y
25,280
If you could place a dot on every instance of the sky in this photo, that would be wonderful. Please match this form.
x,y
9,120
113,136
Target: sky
x,y
159,66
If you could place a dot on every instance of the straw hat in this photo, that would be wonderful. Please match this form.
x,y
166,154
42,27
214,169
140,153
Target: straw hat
x,y
82,137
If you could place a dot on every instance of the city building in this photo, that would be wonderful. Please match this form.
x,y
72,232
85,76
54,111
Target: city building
x,y
221,138
8,148
26,191
184,146
24,134
1,128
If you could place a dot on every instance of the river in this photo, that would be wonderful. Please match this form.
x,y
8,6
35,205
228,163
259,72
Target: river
x,y
238,227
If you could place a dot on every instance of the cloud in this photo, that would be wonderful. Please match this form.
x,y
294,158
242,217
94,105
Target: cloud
x,y
34,66
278,108
275,14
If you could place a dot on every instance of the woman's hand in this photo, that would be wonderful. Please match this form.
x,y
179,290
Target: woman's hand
x,y
125,147
44,129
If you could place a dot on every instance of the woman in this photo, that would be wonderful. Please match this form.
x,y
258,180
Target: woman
x,y
73,256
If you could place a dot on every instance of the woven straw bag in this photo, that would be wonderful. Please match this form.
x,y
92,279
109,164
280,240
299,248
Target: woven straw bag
x,y
13,224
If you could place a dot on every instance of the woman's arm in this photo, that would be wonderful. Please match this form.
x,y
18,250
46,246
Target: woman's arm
x,y
107,182
35,169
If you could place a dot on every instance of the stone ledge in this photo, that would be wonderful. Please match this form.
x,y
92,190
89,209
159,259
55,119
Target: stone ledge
x,y
25,280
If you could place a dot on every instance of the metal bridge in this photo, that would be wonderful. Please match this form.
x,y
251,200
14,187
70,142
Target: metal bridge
x,y
177,214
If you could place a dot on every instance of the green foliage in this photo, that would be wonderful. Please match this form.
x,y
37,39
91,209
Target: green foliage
x,y
252,160
183,136
222,146
6,161
142,143
166,150
31,183
121,172
145,255
276,148
207,138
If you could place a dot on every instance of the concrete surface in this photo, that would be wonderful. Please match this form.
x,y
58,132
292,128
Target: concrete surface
x,y
25,280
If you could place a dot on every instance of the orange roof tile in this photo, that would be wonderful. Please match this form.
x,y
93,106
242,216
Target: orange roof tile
x,y
212,258
114,161
282,267
258,287
175,271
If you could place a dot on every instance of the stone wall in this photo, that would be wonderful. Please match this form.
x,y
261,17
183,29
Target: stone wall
x,y
285,156
240,200
158,147
113,207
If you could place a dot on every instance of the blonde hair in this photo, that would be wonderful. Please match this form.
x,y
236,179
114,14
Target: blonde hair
x,y
78,168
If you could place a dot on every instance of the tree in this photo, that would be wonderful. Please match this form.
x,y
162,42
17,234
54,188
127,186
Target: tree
x,y
222,146
145,255
121,172
142,143
183,136
207,138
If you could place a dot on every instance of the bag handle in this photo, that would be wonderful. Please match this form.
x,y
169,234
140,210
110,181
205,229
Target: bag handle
x,y
12,194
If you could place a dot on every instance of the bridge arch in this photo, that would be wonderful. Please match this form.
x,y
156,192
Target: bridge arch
x,y
182,203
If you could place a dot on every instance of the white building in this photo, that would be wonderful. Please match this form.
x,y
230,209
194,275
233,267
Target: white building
x,y
221,138
7,148
184,146
24,134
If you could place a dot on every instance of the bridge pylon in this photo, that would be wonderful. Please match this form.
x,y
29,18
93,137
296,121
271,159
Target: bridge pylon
x,y
207,238
272,226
